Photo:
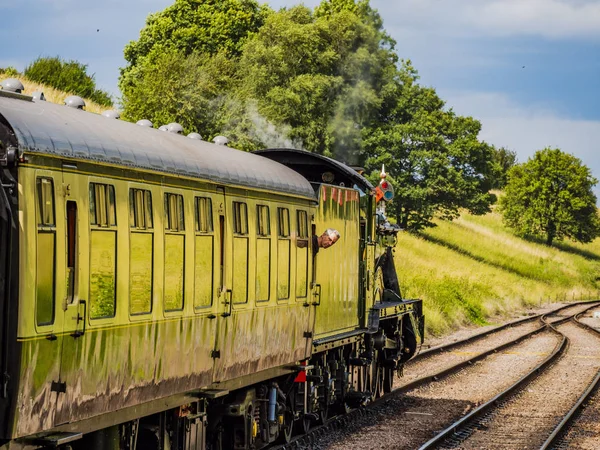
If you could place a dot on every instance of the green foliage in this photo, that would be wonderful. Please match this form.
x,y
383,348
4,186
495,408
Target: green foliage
x,y
551,195
193,99
436,162
68,76
9,71
473,268
504,160
321,74
326,80
191,26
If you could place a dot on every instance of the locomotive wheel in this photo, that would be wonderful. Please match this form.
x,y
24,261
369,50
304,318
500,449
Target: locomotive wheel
x,y
388,380
287,430
379,381
302,425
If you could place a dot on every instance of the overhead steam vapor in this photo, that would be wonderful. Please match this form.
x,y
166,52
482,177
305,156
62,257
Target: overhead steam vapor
x,y
354,107
269,134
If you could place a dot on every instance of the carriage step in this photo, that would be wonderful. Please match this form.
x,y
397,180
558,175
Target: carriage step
x,y
53,440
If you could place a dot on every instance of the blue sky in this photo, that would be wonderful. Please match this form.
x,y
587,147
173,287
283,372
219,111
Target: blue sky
x,y
529,70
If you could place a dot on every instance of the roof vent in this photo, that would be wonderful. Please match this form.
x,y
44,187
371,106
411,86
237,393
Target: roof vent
x,y
12,85
112,114
145,123
221,140
74,101
163,128
195,136
174,127
38,96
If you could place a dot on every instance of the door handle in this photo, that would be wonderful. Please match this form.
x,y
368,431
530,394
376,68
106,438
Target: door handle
x,y
317,294
78,333
230,302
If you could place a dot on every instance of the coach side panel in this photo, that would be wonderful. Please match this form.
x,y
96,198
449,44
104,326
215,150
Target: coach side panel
x,y
337,268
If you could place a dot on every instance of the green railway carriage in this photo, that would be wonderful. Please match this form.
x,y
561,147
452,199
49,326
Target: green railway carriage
x,y
162,292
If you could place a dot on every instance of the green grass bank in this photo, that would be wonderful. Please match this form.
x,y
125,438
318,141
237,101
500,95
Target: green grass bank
x,y
473,268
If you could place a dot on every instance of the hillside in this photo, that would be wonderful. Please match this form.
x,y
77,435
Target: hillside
x,y
470,269
54,95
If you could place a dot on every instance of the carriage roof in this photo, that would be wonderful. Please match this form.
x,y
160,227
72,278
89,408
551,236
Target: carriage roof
x,y
51,129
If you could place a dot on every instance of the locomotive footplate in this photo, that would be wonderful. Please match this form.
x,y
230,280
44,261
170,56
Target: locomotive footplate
x,y
394,308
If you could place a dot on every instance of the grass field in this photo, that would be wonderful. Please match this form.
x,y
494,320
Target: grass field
x,y
470,269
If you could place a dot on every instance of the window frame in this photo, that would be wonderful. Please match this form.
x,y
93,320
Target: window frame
x,y
46,227
240,218
285,224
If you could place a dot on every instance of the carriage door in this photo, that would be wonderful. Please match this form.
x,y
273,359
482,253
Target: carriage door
x,y
73,306
232,319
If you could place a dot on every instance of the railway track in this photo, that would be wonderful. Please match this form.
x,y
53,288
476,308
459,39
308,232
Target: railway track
x,y
446,363
534,411
444,360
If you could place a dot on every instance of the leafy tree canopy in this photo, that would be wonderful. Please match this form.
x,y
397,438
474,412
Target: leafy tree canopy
x,y
68,76
551,196
192,26
504,159
437,164
327,80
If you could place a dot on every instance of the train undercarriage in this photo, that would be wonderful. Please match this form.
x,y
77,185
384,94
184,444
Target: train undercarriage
x,y
346,374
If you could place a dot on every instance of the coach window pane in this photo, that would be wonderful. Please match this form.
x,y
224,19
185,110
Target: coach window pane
x,y
263,253
46,252
283,254
203,276
148,207
103,251
141,253
302,255
240,253
174,253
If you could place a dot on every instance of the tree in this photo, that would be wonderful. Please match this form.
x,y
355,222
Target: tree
x,y
173,87
326,80
205,27
551,195
504,160
68,76
436,163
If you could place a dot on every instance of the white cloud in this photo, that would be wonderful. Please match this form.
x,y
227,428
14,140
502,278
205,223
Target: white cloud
x,y
526,129
547,18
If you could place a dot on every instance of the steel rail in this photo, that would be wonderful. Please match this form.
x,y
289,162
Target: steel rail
x,y
573,413
439,349
333,422
511,390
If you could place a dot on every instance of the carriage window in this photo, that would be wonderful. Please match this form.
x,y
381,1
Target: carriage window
x,y
141,251
283,254
302,225
284,222
174,212
263,253
203,264
240,218
102,205
263,220
103,251
45,191
204,222
240,253
174,253
140,209
302,255
46,252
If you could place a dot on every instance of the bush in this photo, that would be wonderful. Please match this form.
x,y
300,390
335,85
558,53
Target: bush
x,y
9,72
68,76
